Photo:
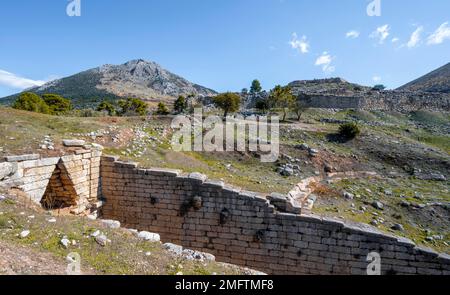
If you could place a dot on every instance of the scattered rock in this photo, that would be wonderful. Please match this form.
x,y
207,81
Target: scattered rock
x,y
52,220
328,168
174,249
398,227
2,198
348,196
405,204
102,240
95,234
378,205
286,171
388,193
313,152
24,234
149,237
196,255
112,224
65,242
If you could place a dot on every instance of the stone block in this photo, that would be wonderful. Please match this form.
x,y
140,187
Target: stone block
x,y
22,158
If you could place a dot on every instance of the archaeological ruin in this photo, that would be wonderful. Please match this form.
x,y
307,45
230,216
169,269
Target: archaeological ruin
x,y
268,233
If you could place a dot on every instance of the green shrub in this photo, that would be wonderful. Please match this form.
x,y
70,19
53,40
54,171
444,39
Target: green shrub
x,y
162,109
132,107
58,105
106,106
31,102
349,130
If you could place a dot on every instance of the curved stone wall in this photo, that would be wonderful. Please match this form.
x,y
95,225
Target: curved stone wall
x,y
246,229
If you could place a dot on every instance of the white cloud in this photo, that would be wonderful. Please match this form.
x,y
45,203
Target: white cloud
x,y
352,34
381,33
325,62
376,79
301,45
440,35
11,80
415,38
395,40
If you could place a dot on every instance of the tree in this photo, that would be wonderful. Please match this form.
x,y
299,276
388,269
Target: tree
x,y
244,91
379,87
228,102
262,105
282,97
299,107
132,106
108,107
181,104
256,87
31,102
162,109
58,105
191,102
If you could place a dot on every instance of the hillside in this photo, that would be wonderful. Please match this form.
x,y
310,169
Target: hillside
x,y
409,153
136,78
331,86
436,81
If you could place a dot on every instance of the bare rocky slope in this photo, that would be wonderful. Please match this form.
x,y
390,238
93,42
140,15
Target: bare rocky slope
x,y
136,78
436,81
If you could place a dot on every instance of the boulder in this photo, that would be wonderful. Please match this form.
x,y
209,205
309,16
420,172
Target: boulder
x,y
378,205
348,196
398,227
7,169
24,234
174,249
196,255
287,171
149,237
102,240
112,224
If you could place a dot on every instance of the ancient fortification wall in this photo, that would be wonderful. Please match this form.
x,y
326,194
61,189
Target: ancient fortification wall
x,y
248,229
384,101
243,228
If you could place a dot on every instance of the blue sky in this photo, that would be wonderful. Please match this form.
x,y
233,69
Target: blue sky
x,y
224,44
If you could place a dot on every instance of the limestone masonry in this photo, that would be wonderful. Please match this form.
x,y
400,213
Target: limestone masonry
x,y
238,227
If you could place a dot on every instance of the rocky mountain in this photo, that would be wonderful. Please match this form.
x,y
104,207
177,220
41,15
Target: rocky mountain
x,y
436,81
136,78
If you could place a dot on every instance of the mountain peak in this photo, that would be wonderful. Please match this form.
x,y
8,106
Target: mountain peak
x,y
136,78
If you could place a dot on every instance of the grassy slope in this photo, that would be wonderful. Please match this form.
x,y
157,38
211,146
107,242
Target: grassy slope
x,y
126,254
247,172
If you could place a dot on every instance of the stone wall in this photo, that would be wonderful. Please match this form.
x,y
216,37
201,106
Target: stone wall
x,y
247,229
382,101
71,180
